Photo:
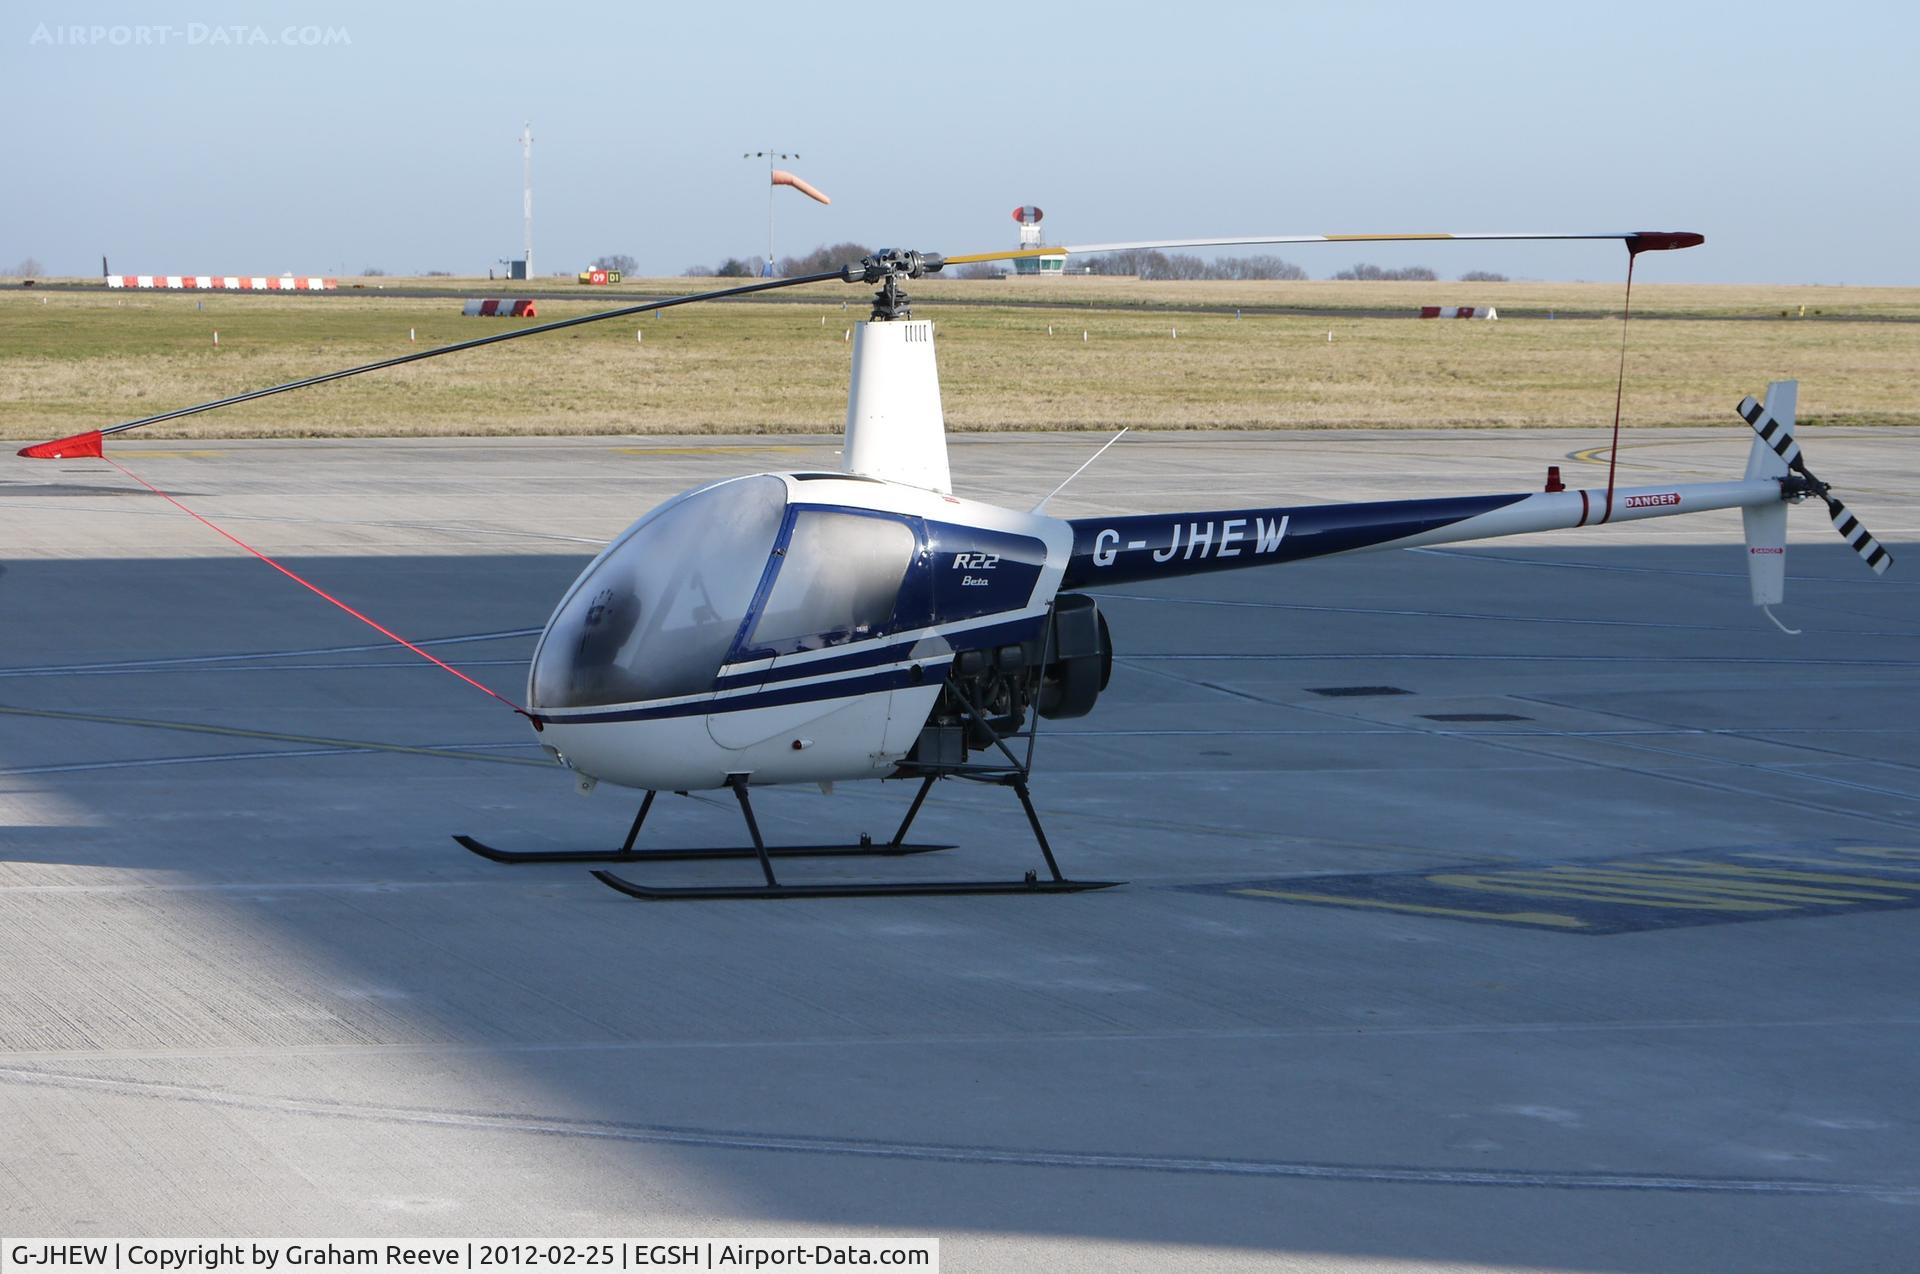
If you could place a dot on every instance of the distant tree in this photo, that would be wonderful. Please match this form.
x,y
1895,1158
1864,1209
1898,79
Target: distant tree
x,y
824,257
617,261
1482,276
373,272
1178,265
736,268
27,269
1257,267
437,274
1380,274
981,270
1146,265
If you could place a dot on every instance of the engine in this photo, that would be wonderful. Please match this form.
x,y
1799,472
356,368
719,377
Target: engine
x,y
989,692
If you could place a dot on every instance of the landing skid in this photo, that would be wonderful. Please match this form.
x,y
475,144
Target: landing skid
x,y
628,854
1013,775
865,849
869,889
773,888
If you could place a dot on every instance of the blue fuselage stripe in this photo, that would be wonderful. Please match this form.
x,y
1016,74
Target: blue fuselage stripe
x,y
1150,546
772,697
787,668
856,677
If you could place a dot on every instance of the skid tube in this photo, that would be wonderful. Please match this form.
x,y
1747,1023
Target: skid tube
x,y
628,854
774,889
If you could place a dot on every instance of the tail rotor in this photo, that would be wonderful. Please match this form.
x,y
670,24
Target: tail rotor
x,y
1798,482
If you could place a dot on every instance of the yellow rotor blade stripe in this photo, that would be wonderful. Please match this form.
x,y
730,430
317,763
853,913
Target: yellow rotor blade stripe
x,y
1006,256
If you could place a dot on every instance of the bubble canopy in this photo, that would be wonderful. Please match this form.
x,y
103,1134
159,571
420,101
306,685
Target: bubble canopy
x,y
655,614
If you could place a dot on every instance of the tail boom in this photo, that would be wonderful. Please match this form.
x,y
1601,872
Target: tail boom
x,y
1125,550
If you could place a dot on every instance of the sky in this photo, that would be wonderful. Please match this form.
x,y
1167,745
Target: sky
x,y
203,137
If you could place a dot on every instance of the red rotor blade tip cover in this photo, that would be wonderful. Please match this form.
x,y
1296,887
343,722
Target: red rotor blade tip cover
x,y
86,444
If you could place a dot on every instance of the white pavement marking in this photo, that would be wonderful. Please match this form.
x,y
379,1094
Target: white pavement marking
x,y
933,1152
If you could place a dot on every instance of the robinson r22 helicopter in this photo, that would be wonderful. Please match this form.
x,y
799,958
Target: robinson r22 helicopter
x,y
818,627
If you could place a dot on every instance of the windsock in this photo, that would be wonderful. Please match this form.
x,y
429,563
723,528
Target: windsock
x,y
781,177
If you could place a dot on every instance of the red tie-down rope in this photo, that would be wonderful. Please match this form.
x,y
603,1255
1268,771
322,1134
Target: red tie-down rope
x,y
1644,241
315,588
1620,385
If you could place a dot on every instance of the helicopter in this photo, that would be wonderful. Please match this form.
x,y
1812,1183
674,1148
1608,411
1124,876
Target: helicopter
x,y
818,627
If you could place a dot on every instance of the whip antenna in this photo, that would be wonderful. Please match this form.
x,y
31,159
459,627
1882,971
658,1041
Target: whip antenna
x,y
1087,464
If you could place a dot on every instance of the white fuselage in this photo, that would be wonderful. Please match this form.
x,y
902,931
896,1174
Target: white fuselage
x,y
848,710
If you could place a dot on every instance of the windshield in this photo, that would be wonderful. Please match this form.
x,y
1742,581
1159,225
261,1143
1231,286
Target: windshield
x,y
655,615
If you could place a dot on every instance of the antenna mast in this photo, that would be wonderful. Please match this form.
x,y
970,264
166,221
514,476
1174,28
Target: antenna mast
x,y
770,156
526,195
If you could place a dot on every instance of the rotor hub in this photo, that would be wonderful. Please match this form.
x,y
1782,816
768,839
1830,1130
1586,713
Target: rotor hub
x,y
888,267
1800,484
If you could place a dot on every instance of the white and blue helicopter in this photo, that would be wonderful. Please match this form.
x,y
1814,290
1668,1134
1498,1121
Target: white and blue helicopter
x,y
867,623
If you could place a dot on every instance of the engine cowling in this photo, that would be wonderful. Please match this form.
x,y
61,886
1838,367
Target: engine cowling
x,y
1079,655
990,691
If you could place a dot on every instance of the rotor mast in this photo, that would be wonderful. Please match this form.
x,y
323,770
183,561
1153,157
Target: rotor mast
x,y
896,428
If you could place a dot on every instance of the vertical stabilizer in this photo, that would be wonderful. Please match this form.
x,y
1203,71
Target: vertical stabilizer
x,y
895,428
1764,461
1766,524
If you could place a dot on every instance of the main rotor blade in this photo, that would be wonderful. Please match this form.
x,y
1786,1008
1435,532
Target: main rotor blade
x,y
844,274
1636,241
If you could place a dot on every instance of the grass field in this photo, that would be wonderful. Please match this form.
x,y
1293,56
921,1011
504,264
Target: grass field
x,y
74,360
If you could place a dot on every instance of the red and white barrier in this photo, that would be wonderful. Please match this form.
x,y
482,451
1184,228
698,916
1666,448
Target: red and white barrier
x,y
224,282
495,308
1458,311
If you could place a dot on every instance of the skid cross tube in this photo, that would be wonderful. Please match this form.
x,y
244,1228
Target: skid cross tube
x,y
1019,785
738,782
919,798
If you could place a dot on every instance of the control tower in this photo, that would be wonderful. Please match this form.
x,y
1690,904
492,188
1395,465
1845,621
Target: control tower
x,y
1029,218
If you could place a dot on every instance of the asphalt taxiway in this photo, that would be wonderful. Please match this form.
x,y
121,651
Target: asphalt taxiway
x,y
1526,904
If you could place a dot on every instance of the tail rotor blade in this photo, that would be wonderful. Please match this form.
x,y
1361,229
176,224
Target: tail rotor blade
x,y
1772,431
1778,434
1858,538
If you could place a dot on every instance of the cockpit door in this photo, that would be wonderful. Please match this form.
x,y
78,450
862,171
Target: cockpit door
x,y
842,586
